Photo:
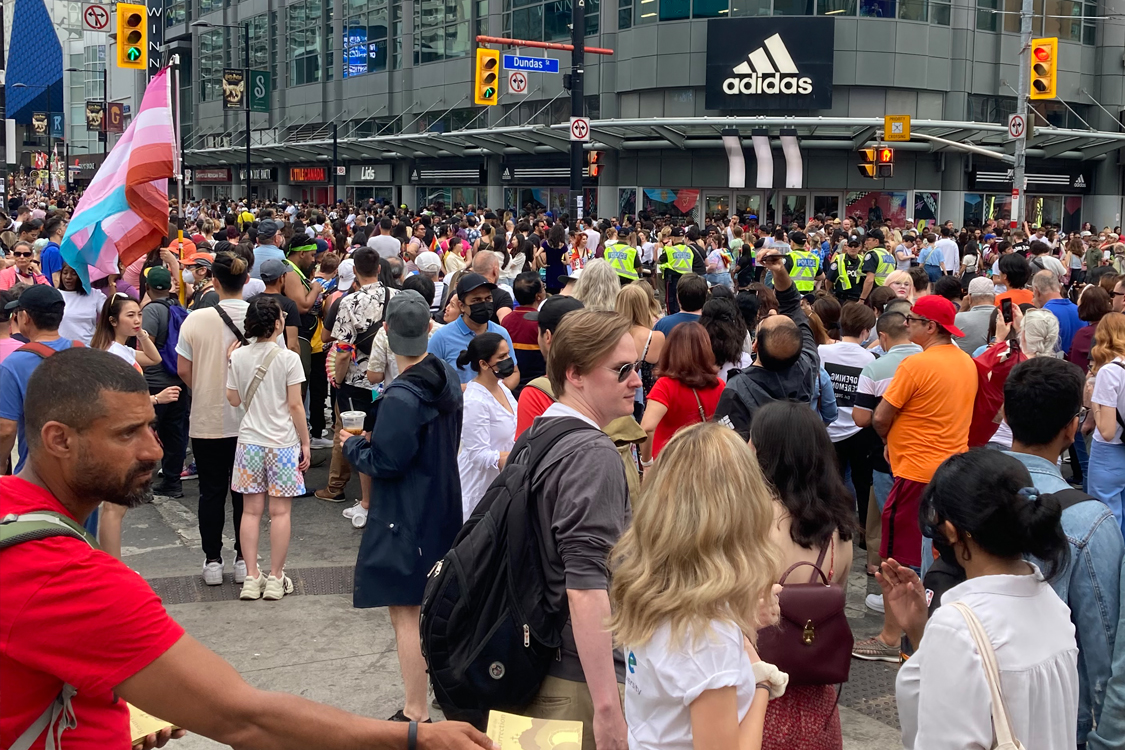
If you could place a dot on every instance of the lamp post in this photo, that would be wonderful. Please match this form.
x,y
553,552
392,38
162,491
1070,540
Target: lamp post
x,y
49,113
245,81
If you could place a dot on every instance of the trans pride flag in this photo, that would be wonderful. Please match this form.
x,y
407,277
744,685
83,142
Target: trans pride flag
x,y
124,212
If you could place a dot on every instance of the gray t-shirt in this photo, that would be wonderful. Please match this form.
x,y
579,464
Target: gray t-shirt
x,y
584,505
386,245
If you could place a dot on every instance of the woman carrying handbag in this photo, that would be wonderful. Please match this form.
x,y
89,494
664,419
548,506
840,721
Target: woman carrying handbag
x,y
996,665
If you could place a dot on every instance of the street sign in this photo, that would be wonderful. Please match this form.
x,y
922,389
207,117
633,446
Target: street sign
x,y
1017,126
517,82
57,125
95,17
342,171
580,129
531,64
260,87
896,128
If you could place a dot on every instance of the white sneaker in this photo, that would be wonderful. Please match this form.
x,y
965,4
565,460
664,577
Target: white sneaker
x,y
252,587
277,588
356,508
240,570
359,518
213,573
875,602
320,443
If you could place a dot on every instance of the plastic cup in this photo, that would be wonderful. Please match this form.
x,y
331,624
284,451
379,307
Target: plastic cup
x,y
353,421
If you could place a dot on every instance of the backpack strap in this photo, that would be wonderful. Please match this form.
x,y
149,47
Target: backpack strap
x,y
230,324
44,351
1071,497
57,718
1120,418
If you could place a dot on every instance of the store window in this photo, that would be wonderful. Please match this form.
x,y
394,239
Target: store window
x,y
675,203
627,202
876,205
450,197
786,209
366,30
550,22
212,53
443,30
176,12
827,206
925,206
982,207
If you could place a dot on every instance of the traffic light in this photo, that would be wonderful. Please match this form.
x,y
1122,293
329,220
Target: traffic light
x,y
593,161
878,163
1044,67
486,82
132,36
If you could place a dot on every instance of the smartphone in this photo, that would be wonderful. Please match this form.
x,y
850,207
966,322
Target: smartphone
x,y
1006,310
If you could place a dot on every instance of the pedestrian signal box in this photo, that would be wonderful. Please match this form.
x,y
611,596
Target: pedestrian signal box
x,y
486,81
594,162
132,36
877,163
1044,68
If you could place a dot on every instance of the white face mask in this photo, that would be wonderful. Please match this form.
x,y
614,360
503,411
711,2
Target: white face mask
x,y
188,276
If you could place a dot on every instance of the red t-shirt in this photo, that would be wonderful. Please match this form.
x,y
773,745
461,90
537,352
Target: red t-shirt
x,y
533,402
73,614
682,407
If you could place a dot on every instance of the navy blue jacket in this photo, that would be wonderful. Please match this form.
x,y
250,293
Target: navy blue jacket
x,y
416,489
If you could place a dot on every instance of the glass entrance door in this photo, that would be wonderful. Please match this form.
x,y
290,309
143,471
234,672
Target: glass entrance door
x,y
748,206
827,206
716,205
789,207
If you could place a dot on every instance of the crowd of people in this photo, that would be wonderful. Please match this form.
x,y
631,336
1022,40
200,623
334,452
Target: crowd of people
x,y
711,413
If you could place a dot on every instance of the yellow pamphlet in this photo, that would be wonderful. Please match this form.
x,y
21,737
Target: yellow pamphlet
x,y
512,732
142,724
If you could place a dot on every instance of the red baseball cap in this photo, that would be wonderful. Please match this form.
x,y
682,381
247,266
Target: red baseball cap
x,y
938,309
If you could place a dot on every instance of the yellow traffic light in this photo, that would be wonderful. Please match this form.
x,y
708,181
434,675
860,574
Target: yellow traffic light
x,y
486,82
1044,68
878,163
132,36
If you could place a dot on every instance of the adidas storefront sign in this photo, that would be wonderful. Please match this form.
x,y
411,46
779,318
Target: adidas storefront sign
x,y
769,63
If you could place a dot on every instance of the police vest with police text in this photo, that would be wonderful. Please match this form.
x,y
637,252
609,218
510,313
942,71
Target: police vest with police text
x,y
623,259
886,265
845,280
806,267
678,258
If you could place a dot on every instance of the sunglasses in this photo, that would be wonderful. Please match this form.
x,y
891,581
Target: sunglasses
x,y
624,371
22,255
911,318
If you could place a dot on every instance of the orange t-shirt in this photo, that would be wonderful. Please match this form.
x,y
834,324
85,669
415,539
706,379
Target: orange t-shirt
x,y
1017,296
934,392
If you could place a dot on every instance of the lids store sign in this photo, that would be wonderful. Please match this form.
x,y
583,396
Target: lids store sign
x,y
769,63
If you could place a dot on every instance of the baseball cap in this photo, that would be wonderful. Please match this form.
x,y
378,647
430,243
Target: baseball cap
x,y
38,298
854,241
272,269
940,310
981,285
798,237
159,278
428,262
408,324
321,245
552,311
346,275
572,276
268,228
200,259
471,281
875,234
677,231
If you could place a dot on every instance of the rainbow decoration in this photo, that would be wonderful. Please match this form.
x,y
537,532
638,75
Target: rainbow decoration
x,y
124,212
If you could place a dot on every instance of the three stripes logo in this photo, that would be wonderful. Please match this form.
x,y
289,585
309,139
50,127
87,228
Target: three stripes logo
x,y
759,74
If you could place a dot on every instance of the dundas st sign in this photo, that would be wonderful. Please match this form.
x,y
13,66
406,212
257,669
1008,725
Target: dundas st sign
x,y
773,63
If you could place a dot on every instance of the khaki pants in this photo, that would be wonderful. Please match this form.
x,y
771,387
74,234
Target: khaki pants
x,y
569,701
339,471
874,532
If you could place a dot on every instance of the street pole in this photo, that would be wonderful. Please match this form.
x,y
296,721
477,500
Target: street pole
x,y
66,165
105,109
1019,173
578,41
50,141
246,93
335,194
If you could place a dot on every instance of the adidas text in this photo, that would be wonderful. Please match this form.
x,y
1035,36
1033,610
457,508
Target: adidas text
x,y
768,84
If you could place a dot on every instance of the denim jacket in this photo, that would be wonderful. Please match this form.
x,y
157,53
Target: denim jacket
x,y
1109,734
1091,587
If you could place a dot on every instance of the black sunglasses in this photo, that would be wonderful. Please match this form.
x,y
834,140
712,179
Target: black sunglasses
x,y
624,371
22,255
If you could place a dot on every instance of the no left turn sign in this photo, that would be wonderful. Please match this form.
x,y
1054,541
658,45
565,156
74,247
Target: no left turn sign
x,y
95,17
580,129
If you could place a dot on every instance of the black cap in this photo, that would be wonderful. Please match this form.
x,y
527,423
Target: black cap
x,y
677,231
470,281
38,298
797,237
552,311
875,234
854,241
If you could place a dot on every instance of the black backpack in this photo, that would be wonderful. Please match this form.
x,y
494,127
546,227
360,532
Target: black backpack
x,y
488,633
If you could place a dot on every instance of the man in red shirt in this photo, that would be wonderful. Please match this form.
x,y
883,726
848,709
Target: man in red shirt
x,y
537,397
528,291
81,631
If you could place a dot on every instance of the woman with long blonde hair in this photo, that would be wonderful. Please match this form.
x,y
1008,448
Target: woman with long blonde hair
x,y
637,303
598,286
1106,479
689,579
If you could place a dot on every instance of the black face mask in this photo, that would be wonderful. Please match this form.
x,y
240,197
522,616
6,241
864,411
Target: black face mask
x,y
480,312
504,367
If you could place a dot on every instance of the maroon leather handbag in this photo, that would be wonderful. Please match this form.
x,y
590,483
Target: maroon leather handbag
x,y
812,641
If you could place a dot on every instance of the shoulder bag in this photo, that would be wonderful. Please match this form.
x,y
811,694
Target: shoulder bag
x,y
812,642
698,403
259,374
1004,737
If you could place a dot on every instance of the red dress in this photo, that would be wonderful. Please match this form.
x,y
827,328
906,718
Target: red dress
x,y
805,718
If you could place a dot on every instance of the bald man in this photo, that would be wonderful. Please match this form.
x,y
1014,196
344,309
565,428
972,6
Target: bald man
x,y
786,365
487,264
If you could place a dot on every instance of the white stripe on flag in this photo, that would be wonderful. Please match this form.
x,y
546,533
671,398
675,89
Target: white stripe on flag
x,y
780,54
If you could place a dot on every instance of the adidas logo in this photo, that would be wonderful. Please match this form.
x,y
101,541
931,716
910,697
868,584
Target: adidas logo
x,y
761,75
1080,182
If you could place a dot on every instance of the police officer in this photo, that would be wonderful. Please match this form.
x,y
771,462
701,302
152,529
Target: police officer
x,y
625,259
673,263
877,263
844,271
806,265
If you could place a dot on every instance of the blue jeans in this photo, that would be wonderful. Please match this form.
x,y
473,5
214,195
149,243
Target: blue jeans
x,y
883,483
1083,457
1106,476
719,278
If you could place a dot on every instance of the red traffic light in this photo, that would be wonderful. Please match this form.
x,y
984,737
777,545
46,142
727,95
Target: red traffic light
x,y
886,155
1042,54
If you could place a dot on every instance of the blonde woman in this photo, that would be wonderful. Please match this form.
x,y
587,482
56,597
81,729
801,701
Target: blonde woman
x,y
1107,453
686,605
637,303
598,286
901,283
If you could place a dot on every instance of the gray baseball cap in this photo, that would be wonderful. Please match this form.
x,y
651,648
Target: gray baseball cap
x,y
267,229
408,324
272,269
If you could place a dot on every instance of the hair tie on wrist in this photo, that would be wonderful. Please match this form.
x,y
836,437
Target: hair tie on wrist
x,y
412,736
1030,493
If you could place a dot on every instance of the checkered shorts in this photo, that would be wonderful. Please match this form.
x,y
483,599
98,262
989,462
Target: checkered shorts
x,y
270,470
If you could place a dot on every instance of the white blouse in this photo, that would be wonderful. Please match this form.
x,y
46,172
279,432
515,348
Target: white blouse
x,y
943,697
487,428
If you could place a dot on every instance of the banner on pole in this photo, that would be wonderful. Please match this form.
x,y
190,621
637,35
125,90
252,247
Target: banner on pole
x,y
95,116
234,88
260,86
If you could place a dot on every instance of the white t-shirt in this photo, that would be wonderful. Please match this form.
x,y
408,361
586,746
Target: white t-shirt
x,y
661,682
127,354
1109,390
949,254
80,317
1051,264
384,244
267,422
844,362
593,237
